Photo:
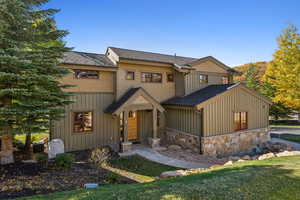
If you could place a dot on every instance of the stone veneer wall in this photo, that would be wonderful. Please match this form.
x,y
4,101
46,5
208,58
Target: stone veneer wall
x,y
185,140
233,143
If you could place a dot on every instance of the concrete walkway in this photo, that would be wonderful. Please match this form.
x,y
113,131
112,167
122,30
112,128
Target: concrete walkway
x,y
293,144
153,155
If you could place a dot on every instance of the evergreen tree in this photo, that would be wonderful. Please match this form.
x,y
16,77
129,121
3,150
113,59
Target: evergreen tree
x,y
283,73
251,78
30,49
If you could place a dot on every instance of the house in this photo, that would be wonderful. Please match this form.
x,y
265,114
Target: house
x,y
127,96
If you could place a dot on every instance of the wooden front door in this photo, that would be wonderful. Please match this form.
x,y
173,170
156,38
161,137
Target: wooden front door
x,y
132,126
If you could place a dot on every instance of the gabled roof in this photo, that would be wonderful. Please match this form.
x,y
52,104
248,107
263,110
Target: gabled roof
x,y
154,57
131,94
199,96
91,59
209,92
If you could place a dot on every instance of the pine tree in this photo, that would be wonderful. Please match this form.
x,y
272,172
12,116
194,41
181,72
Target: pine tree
x,y
283,72
30,49
251,78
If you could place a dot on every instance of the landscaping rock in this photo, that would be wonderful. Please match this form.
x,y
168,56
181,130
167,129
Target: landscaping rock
x,y
241,160
174,147
228,163
254,157
215,166
246,157
266,156
288,153
56,146
161,149
176,173
234,158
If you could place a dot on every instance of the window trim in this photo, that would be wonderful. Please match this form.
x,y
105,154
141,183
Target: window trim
x,y
201,80
170,73
130,71
73,122
144,72
98,72
240,125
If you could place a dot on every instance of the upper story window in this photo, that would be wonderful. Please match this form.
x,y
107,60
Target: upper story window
x,y
203,78
130,75
225,80
148,77
86,74
240,121
83,122
170,77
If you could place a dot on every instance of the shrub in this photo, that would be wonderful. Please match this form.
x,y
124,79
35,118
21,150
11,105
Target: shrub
x,y
64,160
42,158
102,156
113,178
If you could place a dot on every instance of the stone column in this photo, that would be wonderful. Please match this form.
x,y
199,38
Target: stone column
x,y
154,117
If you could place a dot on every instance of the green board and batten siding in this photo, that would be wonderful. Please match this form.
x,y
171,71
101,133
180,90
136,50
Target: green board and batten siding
x,y
184,119
105,127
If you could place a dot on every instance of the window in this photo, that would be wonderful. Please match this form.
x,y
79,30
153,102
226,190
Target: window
x,y
130,75
148,77
86,74
170,77
203,78
240,121
225,80
83,122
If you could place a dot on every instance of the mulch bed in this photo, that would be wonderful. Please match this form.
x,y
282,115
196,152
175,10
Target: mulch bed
x,y
26,179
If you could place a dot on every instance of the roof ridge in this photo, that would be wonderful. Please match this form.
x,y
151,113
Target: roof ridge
x,y
87,52
152,52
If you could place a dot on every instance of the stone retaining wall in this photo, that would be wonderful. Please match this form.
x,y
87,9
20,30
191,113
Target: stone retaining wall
x,y
234,143
185,140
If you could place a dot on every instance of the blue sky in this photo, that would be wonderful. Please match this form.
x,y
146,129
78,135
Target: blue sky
x,y
233,31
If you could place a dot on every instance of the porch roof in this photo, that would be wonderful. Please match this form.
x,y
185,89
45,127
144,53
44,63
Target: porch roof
x,y
128,100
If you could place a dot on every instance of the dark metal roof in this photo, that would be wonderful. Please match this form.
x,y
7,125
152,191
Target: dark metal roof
x,y
199,96
81,58
154,57
114,106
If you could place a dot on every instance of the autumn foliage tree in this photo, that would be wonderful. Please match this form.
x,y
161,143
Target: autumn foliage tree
x,y
283,72
30,49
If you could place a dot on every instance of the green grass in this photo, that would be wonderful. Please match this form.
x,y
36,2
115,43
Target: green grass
x,y
138,168
292,138
277,178
34,137
284,125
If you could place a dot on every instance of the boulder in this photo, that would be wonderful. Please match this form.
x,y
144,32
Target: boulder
x,y
56,146
241,160
175,173
161,149
234,158
254,157
215,166
174,147
228,163
246,157
288,153
266,156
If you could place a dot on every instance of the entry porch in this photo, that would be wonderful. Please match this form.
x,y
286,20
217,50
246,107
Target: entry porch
x,y
141,118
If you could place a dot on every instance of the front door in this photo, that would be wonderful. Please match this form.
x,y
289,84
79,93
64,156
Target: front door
x,y
132,126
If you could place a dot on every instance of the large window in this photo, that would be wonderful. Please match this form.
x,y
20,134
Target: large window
x,y
130,75
240,121
203,78
225,80
83,122
86,74
148,77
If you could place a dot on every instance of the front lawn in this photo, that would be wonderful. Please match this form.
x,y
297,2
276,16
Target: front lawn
x,y
277,178
139,168
292,138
